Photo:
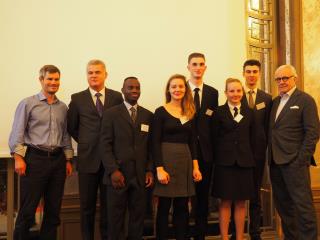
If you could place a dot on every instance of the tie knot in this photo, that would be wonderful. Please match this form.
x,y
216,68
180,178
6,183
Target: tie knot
x,y
196,90
132,109
251,92
235,109
98,95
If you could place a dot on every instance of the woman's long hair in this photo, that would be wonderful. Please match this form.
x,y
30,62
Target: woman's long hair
x,y
187,104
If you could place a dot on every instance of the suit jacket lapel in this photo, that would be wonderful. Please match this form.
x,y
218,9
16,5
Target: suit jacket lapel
x,y
286,107
244,100
107,99
229,114
258,98
204,93
203,106
90,101
274,109
139,116
125,114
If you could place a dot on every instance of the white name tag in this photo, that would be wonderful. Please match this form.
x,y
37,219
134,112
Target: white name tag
x,y
260,105
238,118
144,128
209,112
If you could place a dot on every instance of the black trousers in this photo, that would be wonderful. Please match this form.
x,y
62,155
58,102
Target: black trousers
x,y
45,177
180,218
255,210
133,198
89,183
202,197
293,200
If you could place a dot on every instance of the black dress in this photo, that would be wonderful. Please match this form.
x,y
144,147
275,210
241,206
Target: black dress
x,y
174,149
233,158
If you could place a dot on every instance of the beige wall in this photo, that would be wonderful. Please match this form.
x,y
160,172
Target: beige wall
x,y
311,56
147,39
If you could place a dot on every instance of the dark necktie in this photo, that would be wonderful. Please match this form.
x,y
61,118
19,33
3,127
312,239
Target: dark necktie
x,y
99,104
251,102
196,99
235,112
133,114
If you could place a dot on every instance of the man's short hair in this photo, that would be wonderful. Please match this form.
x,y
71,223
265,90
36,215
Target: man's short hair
x,y
252,62
127,78
96,62
48,69
196,55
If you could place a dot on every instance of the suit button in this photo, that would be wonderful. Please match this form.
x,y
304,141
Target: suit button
x,y
236,142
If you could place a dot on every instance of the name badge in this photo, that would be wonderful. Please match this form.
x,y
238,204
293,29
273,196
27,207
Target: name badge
x,y
183,120
209,112
260,105
238,118
144,128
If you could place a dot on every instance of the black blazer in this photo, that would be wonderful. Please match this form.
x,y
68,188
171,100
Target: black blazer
x,y
125,145
261,114
295,133
232,140
209,104
84,126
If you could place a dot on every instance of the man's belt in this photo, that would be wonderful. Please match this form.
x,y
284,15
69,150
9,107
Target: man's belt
x,y
46,153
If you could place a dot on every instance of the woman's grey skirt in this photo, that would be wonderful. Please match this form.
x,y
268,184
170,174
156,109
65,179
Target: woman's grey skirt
x,y
178,163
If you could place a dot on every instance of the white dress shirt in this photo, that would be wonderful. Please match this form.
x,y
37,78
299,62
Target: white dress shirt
x,y
284,99
94,97
192,87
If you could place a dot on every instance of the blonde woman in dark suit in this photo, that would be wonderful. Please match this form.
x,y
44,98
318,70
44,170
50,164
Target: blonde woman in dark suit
x,y
233,174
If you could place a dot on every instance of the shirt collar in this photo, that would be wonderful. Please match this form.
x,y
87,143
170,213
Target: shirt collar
x,y
232,106
289,93
129,106
192,86
42,97
93,92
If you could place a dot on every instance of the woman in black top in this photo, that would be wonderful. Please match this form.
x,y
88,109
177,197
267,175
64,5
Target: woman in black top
x,y
174,152
233,172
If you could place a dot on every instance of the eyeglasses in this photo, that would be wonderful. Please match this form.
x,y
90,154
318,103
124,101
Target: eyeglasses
x,y
284,79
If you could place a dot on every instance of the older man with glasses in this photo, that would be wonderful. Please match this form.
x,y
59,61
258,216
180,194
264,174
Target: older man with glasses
x,y
293,134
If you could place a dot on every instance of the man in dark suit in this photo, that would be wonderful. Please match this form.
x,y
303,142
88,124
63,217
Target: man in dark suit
x,y
206,102
84,120
260,102
125,140
293,134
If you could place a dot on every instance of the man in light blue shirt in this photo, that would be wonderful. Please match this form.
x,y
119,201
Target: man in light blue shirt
x,y
42,151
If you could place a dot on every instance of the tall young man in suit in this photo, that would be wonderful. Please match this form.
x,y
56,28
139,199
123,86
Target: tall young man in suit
x,y
260,102
84,120
125,141
293,134
206,101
